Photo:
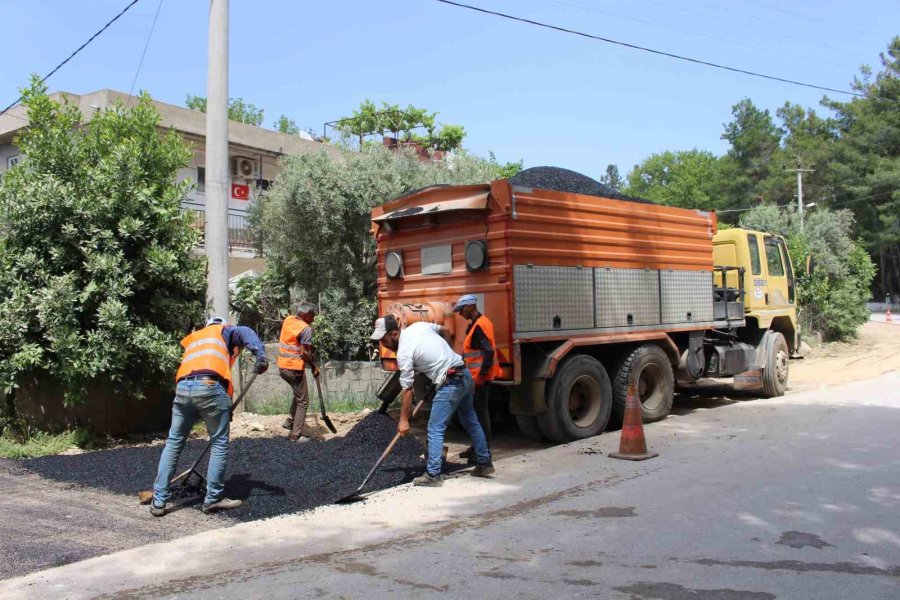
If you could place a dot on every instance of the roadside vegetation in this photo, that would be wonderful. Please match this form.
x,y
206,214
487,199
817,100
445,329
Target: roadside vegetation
x,y
854,150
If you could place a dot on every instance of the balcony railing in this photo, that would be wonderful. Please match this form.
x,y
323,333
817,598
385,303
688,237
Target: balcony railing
x,y
240,236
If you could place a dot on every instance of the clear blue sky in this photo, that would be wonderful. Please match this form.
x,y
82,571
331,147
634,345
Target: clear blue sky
x,y
523,92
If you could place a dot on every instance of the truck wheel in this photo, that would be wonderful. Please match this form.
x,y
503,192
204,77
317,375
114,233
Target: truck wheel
x,y
579,401
775,373
649,370
528,425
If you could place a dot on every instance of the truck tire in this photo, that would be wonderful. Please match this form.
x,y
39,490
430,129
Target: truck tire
x,y
528,425
579,401
775,373
649,370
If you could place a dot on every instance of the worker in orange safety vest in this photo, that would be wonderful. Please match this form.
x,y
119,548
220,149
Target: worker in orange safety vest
x,y
480,354
294,355
203,390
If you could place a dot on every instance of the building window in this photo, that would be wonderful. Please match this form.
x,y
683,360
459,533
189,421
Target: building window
x,y
13,161
201,179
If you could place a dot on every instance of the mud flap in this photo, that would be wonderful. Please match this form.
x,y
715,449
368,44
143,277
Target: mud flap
x,y
752,379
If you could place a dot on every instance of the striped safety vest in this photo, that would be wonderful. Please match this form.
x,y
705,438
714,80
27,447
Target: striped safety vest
x,y
289,350
206,350
475,356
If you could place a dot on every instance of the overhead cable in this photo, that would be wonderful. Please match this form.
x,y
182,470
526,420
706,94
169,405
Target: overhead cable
x,y
77,50
658,52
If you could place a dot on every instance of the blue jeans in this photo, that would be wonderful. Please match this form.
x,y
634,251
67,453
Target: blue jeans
x,y
456,395
209,401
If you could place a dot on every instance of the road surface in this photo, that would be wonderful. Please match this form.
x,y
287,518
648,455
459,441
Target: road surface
x,y
794,497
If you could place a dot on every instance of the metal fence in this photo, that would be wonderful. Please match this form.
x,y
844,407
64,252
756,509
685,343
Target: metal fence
x,y
240,235
880,307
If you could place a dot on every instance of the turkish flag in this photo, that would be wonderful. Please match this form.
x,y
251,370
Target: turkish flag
x,y
240,191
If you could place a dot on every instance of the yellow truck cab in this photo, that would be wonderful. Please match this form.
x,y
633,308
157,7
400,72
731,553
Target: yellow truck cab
x,y
770,300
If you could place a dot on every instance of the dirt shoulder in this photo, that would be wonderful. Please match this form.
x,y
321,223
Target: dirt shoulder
x,y
875,352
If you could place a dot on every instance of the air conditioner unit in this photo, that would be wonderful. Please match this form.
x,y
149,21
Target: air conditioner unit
x,y
245,168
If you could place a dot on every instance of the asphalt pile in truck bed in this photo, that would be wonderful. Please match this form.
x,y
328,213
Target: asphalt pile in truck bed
x,y
564,180
273,476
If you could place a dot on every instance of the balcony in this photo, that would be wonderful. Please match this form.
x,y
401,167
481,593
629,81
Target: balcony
x,y
241,239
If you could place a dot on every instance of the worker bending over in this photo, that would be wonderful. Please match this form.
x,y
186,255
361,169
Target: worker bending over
x,y
425,348
294,354
203,389
480,354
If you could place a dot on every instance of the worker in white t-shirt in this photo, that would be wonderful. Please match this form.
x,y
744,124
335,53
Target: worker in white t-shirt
x,y
425,348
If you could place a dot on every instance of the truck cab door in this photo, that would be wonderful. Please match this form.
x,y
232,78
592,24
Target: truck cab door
x,y
778,293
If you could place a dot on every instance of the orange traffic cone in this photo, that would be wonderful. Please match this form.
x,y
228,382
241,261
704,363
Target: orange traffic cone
x,y
632,445
887,317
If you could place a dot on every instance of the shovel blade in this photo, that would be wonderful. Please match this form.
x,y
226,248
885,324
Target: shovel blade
x,y
329,424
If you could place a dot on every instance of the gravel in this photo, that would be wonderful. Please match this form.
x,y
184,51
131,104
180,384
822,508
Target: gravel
x,y
564,180
274,476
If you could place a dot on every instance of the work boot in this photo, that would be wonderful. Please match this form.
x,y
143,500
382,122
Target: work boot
x,y
288,424
223,504
300,439
427,480
158,511
485,470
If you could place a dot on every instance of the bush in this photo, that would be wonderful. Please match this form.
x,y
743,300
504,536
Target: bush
x,y
833,298
98,280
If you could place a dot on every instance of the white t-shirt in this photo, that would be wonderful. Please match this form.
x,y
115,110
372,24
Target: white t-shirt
x,y
423,350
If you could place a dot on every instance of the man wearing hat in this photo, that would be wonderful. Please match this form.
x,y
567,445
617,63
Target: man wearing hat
x,y
479,352
203,389
425,348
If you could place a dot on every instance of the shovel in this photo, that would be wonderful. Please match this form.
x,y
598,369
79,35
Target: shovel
x,y
325,416
147,495
356,496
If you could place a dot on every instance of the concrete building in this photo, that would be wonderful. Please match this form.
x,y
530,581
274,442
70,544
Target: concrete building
x,y
253,153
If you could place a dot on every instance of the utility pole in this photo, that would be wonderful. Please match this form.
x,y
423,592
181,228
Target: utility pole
x,y
217,179
800,171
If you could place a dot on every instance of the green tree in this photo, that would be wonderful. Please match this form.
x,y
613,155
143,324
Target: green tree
x,y
285,125
833,298
505,170
401,123
612,179
98,276
866,163
238,110
317,219
754,140
688,178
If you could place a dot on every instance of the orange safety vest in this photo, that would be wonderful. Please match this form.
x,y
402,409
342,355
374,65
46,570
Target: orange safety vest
x,y
206,350
289,351
475,356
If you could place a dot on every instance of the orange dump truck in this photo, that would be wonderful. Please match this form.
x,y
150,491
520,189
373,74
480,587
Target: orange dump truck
x,y
587,294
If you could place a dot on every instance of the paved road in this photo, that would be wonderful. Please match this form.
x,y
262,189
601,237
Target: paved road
x,y
797,497
882,318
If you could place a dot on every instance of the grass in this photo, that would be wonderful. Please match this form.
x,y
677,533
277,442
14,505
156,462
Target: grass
x,y
40,443
280,405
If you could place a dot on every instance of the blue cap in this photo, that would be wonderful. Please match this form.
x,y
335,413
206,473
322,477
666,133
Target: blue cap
x,y
467,300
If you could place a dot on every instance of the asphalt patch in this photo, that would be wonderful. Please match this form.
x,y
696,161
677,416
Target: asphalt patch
x,y
272,475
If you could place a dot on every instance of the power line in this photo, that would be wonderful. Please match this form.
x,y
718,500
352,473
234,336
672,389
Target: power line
x,y
651,50
695,33
146,45
829,205
808,17
765,30
79,49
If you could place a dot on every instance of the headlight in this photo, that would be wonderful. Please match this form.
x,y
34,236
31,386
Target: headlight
x,y
476,255
393,265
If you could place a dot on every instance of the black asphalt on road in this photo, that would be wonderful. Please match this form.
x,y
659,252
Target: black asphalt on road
x,y
60,509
